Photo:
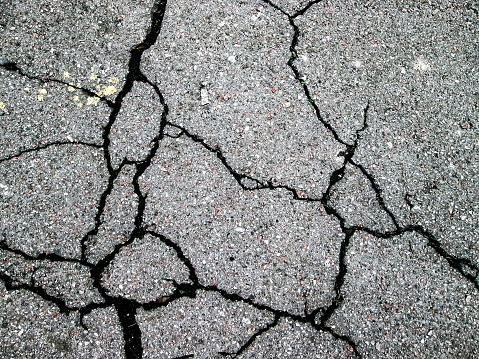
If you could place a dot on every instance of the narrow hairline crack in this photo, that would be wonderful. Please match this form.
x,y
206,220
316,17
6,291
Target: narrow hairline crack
x,y
50,144
13,67
126,308
335,178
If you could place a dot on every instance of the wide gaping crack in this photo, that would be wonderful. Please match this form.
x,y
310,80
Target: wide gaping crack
x,y
127,308
464,266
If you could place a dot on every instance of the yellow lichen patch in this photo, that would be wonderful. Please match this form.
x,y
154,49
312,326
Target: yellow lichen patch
x,y
103,90
66,75
79,104
92,101
71,88
3,108
99,90
75,98
114,80
93,77
26,89
41,94
108,90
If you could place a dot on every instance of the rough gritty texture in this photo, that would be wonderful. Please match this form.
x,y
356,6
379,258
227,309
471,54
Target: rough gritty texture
x,y
136,126
250,179
410,305
257,113
292,6
203,326
35,329
118,218
80,38
355,200
27,122
49,198
417,65
145,271
259,244
294,340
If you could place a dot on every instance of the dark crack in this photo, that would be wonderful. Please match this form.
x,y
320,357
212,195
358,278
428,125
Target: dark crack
x,y
11,66
47,145
53,257
127,309
463,266
179,253
251,340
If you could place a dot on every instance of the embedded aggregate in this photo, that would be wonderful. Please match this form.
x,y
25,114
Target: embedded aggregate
x,y
251,179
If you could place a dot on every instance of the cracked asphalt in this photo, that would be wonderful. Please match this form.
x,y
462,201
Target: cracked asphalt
x,y
245,179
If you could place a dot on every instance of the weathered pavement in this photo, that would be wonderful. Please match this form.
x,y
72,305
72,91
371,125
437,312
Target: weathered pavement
x,y
248,179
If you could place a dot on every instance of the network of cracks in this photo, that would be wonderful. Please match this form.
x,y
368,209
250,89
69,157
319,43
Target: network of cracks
x,y
187,272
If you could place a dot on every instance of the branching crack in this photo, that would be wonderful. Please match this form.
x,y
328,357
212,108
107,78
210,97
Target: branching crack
x,y
126,308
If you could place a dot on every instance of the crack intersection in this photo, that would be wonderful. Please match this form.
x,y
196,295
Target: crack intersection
x,y
126,309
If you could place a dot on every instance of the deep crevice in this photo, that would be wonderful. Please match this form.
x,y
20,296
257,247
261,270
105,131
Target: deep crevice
x,y
125,308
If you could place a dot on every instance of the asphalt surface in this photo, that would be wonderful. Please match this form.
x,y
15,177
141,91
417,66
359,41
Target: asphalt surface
x,y
246,179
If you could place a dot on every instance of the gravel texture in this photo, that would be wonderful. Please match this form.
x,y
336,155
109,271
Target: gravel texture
x,y
355,200
32,119
407,302
136,125
297,340
259,244
49,198
257,113
36,329
203,326
78,38
118,217
416,63
145,271
244,179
